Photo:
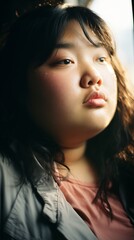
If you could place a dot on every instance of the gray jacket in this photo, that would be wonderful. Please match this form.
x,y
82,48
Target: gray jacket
x,y
36,209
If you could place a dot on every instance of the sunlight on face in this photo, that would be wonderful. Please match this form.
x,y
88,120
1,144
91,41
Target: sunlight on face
x,y
73,96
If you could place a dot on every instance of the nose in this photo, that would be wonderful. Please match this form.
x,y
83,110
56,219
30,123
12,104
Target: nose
x,y
91,77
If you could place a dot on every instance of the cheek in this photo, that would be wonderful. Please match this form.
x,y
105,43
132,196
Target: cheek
x,y
45,87
113,95
59,88
50,93
111,82
52,82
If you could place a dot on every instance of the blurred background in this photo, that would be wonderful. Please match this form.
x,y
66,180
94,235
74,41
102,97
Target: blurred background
x,y
119,15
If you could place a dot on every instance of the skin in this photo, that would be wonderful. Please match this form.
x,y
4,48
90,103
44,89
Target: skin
x,y
59,87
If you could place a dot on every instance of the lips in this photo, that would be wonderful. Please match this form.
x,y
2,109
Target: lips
x,y
96,99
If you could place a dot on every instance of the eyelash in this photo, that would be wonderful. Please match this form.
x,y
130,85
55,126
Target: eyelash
x,y
102,59
64,61
68,61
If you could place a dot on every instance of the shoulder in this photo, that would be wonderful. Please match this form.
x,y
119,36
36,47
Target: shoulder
x,y
8,171
9,185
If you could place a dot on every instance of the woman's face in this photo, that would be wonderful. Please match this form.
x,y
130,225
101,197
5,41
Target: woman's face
x,y
73,96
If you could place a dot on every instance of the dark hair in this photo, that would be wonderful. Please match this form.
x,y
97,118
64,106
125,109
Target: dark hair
x,y
30,42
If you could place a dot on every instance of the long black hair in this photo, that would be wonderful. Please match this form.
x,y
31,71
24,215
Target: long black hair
x,y
29,43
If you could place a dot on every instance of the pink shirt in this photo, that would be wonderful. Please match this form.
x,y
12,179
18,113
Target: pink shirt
x,y
81,195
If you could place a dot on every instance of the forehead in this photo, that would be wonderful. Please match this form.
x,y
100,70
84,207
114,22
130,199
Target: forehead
x,y
73,31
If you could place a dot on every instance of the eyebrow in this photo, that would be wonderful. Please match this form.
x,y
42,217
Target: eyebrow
x,y
65,45
71,45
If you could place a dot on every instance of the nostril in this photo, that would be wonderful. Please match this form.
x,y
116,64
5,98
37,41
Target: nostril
x,y
90,83
87,81
99,82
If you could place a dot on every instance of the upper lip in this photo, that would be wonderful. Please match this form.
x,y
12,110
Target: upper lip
x,y
95,95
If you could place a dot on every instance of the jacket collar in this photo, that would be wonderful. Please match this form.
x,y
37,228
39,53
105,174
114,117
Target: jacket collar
x,y
57,209
47,188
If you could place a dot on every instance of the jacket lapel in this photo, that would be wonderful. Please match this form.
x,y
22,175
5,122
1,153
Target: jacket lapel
x,y
58,210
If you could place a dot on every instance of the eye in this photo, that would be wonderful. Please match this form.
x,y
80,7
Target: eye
x,y
61,63
102,59
65,61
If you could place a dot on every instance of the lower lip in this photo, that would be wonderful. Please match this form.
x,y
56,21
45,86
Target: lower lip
x,y
96,102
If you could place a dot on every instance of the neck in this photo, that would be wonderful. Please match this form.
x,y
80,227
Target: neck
x,y
78,164
74,155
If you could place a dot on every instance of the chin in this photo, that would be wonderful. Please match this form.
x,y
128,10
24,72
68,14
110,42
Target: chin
x,y
98,129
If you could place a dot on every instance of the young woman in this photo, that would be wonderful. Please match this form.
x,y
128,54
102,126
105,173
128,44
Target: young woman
x,y
66,130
